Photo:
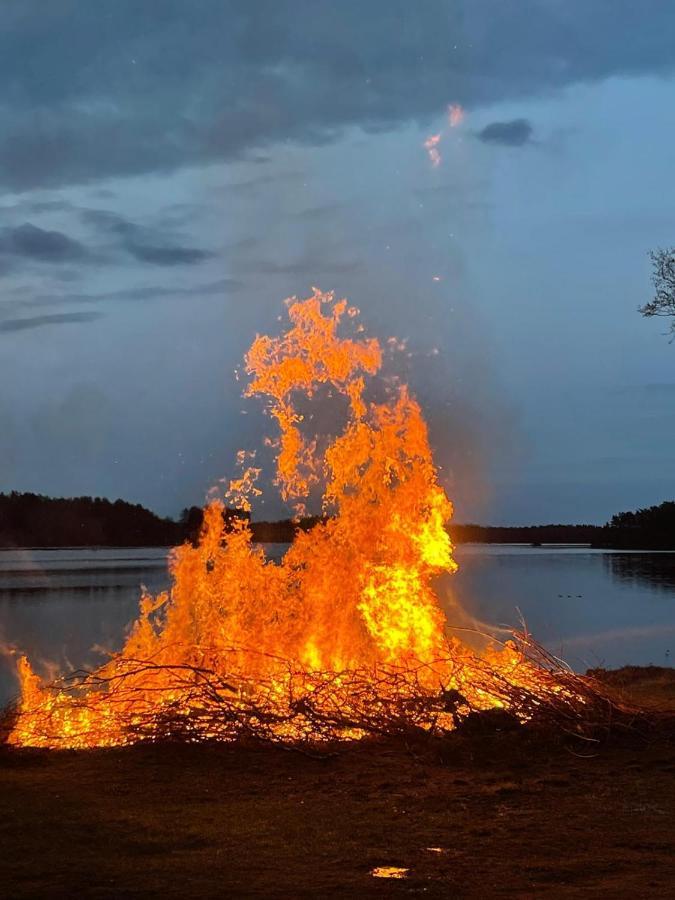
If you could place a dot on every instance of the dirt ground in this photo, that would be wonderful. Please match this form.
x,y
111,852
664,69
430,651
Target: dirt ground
x,y
496,816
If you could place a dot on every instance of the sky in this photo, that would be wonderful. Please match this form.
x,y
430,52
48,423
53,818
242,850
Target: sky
x,y
170,172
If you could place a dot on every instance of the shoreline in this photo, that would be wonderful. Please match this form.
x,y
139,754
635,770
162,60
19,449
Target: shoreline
x,y
546,545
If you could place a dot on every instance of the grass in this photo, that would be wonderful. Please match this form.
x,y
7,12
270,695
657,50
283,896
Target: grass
x,y
507,815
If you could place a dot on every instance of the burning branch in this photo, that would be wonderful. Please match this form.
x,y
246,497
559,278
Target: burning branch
x,y
344,639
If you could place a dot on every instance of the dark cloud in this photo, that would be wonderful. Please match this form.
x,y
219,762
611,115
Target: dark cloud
x,y
136,86
167,256
144,244
221,286
105,220
514,133
30,242
158,292
10,326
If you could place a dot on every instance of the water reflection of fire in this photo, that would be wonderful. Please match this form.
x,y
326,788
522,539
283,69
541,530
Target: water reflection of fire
x,y
345,637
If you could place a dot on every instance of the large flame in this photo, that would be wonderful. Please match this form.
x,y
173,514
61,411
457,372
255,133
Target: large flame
x,y
346,632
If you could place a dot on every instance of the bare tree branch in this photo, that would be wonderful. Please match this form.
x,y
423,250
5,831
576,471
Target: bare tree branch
x,y
663,279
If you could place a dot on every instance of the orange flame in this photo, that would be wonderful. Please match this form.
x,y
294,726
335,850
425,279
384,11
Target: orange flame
x,y
347,624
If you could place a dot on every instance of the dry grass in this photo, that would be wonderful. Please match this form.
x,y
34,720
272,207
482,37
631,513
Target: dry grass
x,y
511,814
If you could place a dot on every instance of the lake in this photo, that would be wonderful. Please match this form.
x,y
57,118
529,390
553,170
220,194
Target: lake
x,y
593,607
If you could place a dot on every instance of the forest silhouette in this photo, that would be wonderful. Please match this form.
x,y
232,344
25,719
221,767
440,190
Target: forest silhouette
x,y
34,520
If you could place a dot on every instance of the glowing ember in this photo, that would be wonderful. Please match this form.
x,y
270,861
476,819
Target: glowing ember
x,y
455,115
345,637
389,872
431,145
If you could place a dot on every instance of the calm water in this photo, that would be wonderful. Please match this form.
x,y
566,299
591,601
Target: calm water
x,y
593,607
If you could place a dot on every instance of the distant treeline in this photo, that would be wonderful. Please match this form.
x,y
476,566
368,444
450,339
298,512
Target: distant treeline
x,y
646,529
32,520
652,528
525,534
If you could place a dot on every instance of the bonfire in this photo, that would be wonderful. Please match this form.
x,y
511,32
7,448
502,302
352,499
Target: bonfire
x,y
345,637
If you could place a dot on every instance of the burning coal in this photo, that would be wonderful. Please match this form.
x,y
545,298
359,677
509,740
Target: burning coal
x,y
345,637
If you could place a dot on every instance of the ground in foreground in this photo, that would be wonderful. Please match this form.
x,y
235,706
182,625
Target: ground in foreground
x,y
480,816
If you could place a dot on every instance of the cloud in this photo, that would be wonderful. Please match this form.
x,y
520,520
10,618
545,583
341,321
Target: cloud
x,y
318,212
514,133
158,292
167,256
252,185
50,206
139,294
147,87
105,220
144,244
10,326
30,242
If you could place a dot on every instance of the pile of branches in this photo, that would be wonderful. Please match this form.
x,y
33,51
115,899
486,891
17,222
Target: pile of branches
x,y
319,709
